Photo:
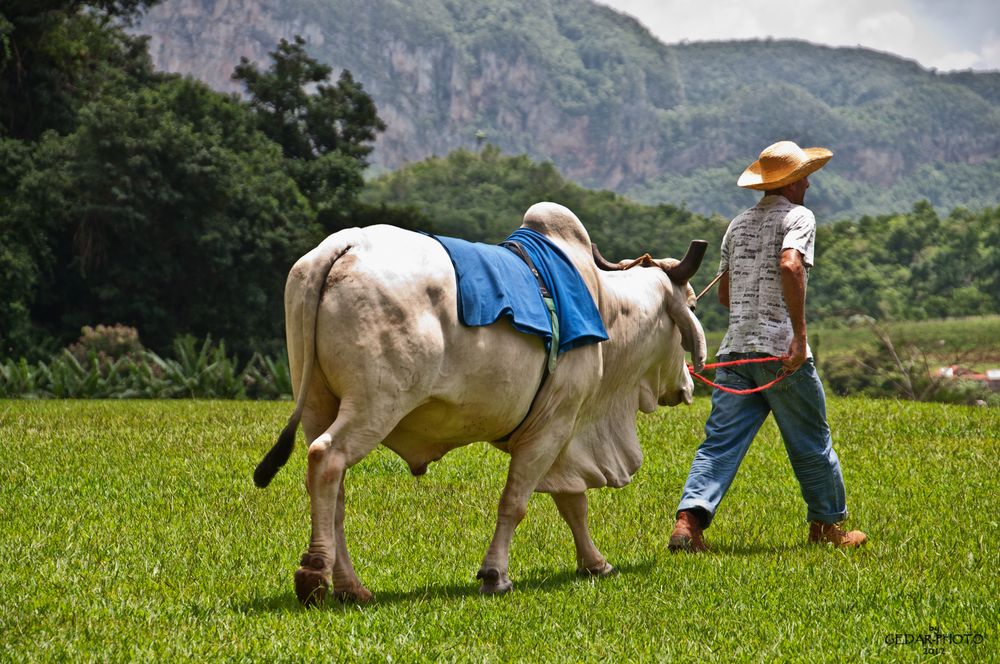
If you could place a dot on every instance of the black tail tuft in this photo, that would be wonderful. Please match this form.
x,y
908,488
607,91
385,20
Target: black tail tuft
x,y
277,456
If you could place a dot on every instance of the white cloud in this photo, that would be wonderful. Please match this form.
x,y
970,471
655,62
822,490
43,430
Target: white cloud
x,y
894,26
956,60
916,29
989,53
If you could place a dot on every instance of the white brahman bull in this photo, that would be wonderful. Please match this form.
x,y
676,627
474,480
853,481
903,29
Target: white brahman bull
x,y
378,355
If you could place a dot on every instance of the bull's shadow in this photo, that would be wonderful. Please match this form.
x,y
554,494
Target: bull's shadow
x,y
534,581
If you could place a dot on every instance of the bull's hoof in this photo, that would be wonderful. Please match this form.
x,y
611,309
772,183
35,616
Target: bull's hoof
x,y
310,586
355,595
494,581
311,582
599,570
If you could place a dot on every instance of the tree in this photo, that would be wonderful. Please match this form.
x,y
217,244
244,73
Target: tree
x,y
149,200
325,135
336,118
168,211
55,55
23,243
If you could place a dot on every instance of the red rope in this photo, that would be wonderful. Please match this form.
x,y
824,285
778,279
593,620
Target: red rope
x,y
733,363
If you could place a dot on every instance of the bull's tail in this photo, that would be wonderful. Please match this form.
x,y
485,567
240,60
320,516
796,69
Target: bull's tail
x,y
278,455
329,251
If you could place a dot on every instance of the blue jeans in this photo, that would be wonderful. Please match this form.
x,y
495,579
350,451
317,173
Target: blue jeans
x,y
799,407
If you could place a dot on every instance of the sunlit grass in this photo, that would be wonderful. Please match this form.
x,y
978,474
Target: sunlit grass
x,y
132,531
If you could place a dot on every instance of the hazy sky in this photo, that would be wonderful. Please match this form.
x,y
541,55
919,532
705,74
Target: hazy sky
x,y
945,34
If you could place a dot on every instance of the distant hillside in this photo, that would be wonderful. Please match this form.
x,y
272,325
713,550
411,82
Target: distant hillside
x,y
591,90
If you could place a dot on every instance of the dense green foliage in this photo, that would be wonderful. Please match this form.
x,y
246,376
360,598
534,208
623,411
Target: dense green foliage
x,y
55,58
149,199
575,83
483,196
57,55
168,211
909,266
132,531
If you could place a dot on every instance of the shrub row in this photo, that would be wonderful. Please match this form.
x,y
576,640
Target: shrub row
x,y
198,370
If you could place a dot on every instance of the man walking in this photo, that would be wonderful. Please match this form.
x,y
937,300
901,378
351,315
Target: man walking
x,y
766,254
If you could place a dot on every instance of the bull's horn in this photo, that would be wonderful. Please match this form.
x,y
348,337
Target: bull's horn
x,y
683,271
602,262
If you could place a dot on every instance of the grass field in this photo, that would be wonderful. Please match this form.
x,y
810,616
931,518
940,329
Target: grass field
x,y
131,531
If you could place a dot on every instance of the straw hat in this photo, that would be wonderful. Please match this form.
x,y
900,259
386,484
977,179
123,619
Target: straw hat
x,y
782,163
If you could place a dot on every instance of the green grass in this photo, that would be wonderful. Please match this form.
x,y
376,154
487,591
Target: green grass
x,y
132,531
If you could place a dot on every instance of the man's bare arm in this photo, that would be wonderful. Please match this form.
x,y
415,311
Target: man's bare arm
x,y
793,286
724,290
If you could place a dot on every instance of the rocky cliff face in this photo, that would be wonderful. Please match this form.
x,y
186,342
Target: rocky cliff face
x,y
433,95
207,39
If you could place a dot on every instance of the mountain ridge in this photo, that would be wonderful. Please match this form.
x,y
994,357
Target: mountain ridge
x,y
591,90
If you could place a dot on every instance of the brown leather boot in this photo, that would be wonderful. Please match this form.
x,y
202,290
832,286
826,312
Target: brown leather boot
x,y
820,533
687,534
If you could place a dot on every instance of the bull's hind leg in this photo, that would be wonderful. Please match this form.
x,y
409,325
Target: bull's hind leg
x,y
346,584
338,448
573,508
347,587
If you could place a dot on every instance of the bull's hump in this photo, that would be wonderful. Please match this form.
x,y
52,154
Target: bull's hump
x,y
557,222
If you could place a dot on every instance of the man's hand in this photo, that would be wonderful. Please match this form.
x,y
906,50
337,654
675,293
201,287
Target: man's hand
x,y
796,355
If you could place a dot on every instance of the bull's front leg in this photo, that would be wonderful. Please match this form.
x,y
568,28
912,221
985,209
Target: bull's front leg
x,y
528,464
573,508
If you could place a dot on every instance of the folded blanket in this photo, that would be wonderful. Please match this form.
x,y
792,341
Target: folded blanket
x,y
493,282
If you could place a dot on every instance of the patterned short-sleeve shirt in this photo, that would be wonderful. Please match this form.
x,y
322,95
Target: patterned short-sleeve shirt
x,y
751,251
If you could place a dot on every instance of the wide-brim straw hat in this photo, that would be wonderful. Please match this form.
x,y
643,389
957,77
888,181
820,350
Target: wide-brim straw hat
x,y
783,163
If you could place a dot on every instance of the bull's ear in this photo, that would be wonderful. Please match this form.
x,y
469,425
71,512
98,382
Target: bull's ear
x,y
683,271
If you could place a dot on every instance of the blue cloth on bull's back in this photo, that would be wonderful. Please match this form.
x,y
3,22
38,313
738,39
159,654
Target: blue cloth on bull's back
x,y
494,282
